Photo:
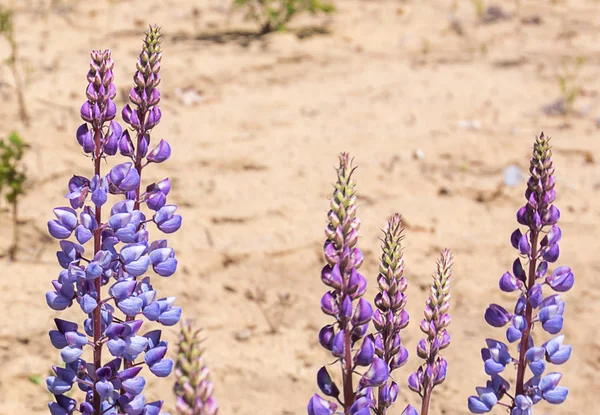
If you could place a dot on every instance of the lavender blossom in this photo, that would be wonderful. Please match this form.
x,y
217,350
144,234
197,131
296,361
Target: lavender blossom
x,y
121,255
390,316
192,385
343,302
433,371
538,246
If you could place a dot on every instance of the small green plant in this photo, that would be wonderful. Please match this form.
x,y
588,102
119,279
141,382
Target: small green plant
x,y
568,82
479,7
7,30
272,15
12,180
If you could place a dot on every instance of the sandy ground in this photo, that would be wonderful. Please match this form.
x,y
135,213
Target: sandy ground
x,y
431,116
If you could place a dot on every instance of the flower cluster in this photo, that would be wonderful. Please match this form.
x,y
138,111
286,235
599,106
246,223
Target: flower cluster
x,y
343,302
538,248
433,371
382,351
121,254
390,316
192,385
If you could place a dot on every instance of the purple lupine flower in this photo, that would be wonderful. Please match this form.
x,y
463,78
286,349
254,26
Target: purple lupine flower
x,y
390,316
537,247
120,254
433,371
143,113
343,302
193,386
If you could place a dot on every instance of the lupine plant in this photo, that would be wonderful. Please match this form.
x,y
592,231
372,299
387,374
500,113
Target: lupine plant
x,y
433,371
192,376
381,352
12,181
537,248
107,279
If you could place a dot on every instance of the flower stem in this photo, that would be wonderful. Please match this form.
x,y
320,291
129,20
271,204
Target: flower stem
x,y
528,315
425,401
96,314
347,368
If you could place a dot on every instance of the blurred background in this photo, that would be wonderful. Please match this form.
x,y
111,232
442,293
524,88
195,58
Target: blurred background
x,y
439,103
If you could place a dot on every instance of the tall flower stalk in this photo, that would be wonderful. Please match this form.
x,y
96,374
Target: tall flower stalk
x,y
437,318
142,115
193,386
390,316
538,248
381,351
343,302
122,253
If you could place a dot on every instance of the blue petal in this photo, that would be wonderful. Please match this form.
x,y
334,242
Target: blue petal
x,y
152,311
549,382
493,368
154,355
93,270
171,317
58,230
76,339
88,303
137,268
561,356
56,301
70,353
56,409
133,406
163,368
104,388
119,220
166,268
83,234
556,395
58,339
134,386
410,410
476,406
153,408
57,386
554,325
123,289
136,345
116,347
319,406
538,367
171,225
131,306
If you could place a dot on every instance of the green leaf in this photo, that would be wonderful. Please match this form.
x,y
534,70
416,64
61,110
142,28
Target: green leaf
x,y
35,379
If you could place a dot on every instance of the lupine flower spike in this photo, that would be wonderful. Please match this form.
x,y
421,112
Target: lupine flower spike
x,y
343,302
433,371
192,378
111,387
537,248
390,316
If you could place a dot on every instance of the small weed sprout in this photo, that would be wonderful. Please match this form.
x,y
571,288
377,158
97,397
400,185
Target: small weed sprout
x,y
273,15
7,30
568,82
12,179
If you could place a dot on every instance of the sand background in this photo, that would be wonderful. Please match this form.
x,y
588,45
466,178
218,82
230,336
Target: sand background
x,y
431,116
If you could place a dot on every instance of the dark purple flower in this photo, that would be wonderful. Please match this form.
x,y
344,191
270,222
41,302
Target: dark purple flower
x,y
433,371
539,243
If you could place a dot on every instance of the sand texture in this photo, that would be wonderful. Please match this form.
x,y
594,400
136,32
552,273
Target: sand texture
x,y
433,105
